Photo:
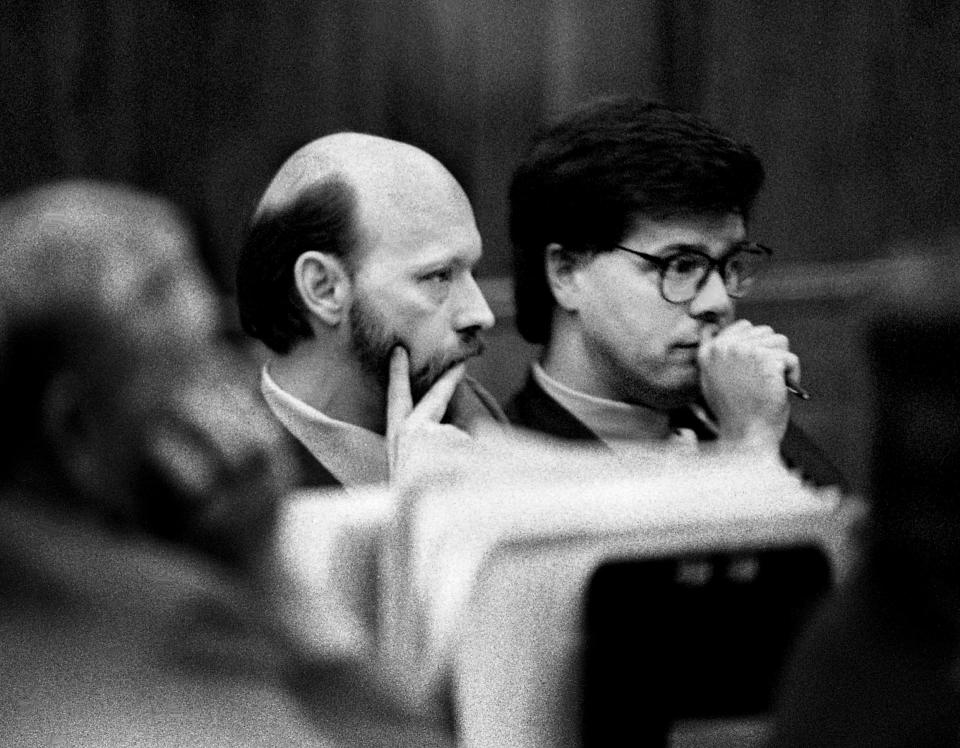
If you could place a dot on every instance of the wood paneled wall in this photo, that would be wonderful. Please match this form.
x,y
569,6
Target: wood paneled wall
x,y
853,105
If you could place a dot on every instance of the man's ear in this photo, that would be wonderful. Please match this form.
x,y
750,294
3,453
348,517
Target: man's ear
x,y
324,285
560,266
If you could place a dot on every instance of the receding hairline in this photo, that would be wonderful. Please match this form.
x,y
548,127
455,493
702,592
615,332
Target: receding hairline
x,y
361,161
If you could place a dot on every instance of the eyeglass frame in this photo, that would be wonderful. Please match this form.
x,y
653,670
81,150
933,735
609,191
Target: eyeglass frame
x,y
719,264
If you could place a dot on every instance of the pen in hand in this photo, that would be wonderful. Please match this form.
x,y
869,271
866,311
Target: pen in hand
x,y
796,389
709,332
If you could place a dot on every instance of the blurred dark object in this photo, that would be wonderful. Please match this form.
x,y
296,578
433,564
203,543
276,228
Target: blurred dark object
x,y
880,665
694,638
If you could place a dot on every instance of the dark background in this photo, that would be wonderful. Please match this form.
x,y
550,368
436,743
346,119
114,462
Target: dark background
x,y
852,104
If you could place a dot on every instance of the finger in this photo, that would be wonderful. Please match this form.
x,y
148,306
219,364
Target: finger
x,y
707,334
744,332
738,327
399,397
772,340
434,403
789,364
743,329
759,331
736,331
791,370
732,331
779,341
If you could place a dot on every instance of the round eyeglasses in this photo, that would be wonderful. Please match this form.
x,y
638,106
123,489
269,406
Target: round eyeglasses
x,y
684,273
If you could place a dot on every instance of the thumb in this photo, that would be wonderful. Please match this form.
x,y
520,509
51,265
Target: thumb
x,y
434,404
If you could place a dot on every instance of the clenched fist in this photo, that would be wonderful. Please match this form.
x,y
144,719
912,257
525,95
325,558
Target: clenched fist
x,y
744,369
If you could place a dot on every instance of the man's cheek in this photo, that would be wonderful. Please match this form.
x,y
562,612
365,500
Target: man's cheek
x,y
420,347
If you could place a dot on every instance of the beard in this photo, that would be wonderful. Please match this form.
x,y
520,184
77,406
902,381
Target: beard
x,y
373,341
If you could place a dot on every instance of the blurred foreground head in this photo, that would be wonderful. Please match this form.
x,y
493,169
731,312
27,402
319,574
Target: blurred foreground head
x,y
74,250
117,399
132,455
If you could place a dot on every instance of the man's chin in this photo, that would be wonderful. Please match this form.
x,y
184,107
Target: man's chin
x,y
685,394
427,375
676,395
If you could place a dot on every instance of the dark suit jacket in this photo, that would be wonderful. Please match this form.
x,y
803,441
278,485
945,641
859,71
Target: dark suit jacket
x,y
311,473
534,409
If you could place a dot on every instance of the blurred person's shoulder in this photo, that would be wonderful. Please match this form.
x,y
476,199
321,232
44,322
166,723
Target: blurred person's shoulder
x,y
108,640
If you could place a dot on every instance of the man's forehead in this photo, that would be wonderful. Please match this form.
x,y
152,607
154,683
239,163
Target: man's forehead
x,y
707,231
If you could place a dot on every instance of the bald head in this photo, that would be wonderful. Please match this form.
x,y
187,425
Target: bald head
x,y
341,195
379,170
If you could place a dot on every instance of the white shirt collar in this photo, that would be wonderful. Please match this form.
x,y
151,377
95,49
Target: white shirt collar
x,y
612,421
354,455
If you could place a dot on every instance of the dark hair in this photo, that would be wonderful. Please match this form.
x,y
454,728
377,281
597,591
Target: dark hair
x,y
586,178
321,219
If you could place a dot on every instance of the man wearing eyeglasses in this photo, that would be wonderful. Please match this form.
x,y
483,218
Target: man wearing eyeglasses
x,y
629,225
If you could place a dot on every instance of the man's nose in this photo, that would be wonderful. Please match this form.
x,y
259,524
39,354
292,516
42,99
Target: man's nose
x,y
712,300
473,310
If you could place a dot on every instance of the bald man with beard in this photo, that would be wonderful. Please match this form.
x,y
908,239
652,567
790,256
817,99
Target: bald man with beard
x,y
357,273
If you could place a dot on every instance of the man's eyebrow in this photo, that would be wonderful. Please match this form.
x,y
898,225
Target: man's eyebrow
x,y
680,247
453,260
437,264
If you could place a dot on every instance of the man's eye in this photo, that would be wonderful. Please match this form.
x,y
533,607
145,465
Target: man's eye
x,y
685,265
438,276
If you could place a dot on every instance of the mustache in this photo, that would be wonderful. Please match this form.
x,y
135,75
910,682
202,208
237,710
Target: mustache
x,y
467,350
424,377
472,345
